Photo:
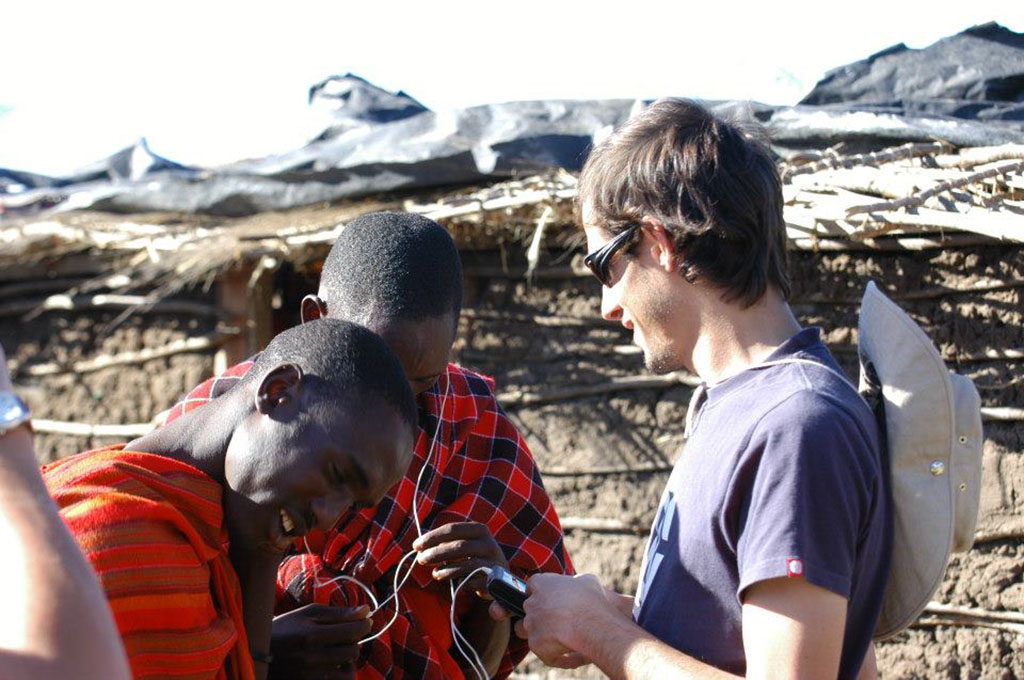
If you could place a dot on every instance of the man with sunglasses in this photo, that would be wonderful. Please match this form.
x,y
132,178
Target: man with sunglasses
x,y
771,546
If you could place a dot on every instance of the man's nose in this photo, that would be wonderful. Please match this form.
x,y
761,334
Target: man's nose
x,y
327,510
610,308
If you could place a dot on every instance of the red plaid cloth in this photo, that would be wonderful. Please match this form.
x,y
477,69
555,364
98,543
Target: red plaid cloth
x,y
481,471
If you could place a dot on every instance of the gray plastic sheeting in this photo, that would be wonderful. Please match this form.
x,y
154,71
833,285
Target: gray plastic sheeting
x,y
380,141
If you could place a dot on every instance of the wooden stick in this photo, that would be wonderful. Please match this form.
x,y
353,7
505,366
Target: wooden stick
x,y
980,155
439,212
602,525
555,273
196,344
511,398
141,302
982,286
933,621
604,470
971,612
991,355
45,286
1011,533
86,430
539,319
533,252
921,197
897,244
997,225
884,156
1001,413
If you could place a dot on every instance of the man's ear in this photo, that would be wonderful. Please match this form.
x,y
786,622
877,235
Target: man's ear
x,y
663,248
279,389
312,308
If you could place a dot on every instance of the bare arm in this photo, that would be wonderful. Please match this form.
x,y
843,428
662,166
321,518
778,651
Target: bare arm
x,y
257,571
792,628
56,620
573,620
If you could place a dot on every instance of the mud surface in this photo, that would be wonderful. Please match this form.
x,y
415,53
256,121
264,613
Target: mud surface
x,y
548,336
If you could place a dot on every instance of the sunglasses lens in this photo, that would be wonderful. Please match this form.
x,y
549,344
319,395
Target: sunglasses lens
x,y
599,260
594,262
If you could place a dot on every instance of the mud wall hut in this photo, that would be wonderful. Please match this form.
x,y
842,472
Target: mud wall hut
x,y
108,319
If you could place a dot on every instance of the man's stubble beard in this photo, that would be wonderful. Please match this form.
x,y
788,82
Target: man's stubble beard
x,y
659,355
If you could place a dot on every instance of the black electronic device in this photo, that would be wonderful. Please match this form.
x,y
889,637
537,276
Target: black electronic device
x,y
508,590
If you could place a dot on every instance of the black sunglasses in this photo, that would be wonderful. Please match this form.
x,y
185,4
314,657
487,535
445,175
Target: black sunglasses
x,y
601,259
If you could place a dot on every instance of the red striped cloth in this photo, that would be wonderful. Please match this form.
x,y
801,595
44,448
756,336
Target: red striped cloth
x,y
152,528
481,471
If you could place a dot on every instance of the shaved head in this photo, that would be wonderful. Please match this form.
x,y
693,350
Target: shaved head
x,y
343,362
392,266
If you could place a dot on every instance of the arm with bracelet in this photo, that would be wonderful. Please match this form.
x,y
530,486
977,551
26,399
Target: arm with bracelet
x,y
56,621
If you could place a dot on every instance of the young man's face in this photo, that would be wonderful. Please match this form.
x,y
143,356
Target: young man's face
x,y
636,297
423,347
286,478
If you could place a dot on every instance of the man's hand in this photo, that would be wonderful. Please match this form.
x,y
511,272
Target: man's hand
x,y
318,642
556,606
455,550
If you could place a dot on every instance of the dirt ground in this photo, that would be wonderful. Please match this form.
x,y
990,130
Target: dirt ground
x,y
548,335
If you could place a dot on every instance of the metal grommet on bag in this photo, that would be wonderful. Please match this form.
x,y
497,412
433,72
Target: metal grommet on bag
x,y
937,468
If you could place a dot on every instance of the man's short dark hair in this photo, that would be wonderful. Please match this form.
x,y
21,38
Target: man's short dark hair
x,y
343,362
392,266
711,183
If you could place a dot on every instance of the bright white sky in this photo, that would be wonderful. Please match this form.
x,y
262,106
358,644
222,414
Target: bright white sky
x,y
212,81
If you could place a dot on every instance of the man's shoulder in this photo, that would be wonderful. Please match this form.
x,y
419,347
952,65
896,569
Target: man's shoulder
x,y
115,489
801,390
817,392
465,382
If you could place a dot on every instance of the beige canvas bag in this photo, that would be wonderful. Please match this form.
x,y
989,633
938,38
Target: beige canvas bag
x,y
931,420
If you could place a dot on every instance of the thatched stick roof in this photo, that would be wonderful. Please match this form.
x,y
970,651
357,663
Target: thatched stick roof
x,y
912,196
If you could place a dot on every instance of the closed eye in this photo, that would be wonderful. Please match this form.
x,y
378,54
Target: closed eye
x,y
336,477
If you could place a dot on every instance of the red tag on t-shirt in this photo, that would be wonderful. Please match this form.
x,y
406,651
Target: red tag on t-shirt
x,y
795,567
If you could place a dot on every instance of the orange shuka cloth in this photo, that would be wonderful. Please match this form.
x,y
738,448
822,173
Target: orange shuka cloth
x,y
153,530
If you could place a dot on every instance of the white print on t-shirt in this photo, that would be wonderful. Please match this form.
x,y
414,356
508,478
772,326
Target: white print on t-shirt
x,y
655,549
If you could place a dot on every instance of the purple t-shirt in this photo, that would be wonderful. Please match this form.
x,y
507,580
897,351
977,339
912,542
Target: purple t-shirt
x,y
782,476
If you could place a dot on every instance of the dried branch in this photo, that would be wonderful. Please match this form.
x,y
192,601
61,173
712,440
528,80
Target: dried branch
x,y
933,621
511,398
991,354
981,286
887,244
971,612
885,156
919,198
85,430
980,155
196,344
952,615
602,525
533,252
140,303
1014,532
1001,413
603,471
538,319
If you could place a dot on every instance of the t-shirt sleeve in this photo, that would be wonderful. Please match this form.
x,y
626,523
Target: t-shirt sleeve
x,y
801,495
